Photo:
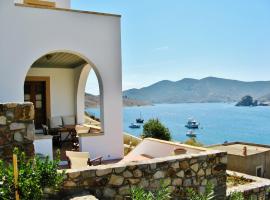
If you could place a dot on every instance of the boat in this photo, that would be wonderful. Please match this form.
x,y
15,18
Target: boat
x,y
192,124
132,125
191,134
140,120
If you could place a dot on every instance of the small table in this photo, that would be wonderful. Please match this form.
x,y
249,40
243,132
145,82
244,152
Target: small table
x,y
70,129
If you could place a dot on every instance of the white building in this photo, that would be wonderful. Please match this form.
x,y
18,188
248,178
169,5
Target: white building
x,y
46,53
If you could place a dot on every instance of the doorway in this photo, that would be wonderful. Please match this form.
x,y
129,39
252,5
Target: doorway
x,y
35,91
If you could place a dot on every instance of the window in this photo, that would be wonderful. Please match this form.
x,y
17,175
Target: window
x,y
259,171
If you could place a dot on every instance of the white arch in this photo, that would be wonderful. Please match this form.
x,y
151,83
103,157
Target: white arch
x,y
81,76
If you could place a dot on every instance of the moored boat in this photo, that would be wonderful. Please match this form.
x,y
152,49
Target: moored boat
x,y
192,124
132,125
140,120
191,134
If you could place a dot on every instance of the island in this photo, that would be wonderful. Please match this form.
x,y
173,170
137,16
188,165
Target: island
x,y
250,102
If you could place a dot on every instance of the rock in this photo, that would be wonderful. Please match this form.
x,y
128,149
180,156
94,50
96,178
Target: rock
x,y
30,132
109,193
125,190
175,165
177,182
184,165
103,172
127,174
195,167
84,197
144,183
208,172
3,120
137,173
74,175
18,137
201,172
69,184
159,174
187,182
119,170
116,180
247,101
133,181
180,174
153,166
16,126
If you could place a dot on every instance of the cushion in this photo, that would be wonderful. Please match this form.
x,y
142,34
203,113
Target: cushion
x,y
69,120
56,122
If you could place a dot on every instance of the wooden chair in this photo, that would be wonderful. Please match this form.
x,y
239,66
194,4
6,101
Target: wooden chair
x,y
56,137
77,160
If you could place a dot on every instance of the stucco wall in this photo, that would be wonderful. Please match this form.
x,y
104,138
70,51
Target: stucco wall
x,y
248,164
159,148
37,32
62,89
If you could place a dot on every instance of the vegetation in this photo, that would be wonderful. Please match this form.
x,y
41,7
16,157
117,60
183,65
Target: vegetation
x,y
193,142
236,180
138,193
236,196
35,175
155,129
209,194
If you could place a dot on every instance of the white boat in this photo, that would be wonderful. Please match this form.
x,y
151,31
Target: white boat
x,y
132,125
191,134
192,124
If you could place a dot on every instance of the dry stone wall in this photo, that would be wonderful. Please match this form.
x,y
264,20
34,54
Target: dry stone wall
x,y
177,172
16,129
258,189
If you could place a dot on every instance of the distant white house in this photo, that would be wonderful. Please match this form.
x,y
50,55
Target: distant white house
x,y
46,53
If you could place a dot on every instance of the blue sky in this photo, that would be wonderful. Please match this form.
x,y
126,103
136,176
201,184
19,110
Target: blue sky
x,y
175,39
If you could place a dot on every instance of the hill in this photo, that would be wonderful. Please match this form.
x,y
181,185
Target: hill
x,y
93,101
210,89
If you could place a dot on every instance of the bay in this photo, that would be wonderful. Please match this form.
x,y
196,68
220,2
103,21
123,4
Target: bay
x,y
219,122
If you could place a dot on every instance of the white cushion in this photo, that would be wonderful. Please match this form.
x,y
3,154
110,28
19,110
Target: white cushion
x,y
56,122
82,129
69,120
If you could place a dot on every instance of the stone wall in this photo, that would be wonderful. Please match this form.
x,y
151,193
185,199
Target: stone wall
x,y
16,129
258,189
177,172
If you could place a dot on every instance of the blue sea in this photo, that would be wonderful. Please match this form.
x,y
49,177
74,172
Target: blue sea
x,y
219,122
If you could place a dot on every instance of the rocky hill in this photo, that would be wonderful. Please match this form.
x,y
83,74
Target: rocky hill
x,y
210,89
93,101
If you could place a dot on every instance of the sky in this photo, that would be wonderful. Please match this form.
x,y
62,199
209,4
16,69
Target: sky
x,y
175,39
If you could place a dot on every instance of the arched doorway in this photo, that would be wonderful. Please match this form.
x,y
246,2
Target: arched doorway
x,y
55,84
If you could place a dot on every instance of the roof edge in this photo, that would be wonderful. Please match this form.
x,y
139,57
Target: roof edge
x,y
68,10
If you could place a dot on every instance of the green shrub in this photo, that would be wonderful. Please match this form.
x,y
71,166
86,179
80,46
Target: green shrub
x,y
207,195
236,196
34,176
138,193
193,142
155,129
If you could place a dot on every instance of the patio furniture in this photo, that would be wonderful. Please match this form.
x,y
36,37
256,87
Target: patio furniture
x,y
77,160
69,120
56,122
54,133
70,129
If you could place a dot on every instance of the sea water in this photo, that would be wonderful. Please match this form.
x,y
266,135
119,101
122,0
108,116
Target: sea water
x,y
219,122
